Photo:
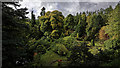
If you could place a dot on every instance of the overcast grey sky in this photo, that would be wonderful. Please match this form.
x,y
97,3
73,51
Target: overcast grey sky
x,y
67,6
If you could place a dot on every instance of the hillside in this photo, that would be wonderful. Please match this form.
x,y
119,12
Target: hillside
x,y
84,39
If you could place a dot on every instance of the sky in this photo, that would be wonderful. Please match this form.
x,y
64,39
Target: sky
x,y
66,6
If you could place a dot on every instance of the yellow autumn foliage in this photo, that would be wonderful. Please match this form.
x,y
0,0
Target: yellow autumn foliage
x,y
102,33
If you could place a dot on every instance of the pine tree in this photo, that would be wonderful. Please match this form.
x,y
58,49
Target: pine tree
x,y
96,22
32,19
42,11
80,28
14,33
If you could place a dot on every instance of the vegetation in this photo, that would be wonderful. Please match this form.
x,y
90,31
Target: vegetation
x,y
84,39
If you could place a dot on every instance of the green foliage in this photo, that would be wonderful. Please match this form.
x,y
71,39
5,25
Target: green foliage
x,y
35,32
56,20
60,49
39,45
94,50
52,22
48,59
108,10
14,32
113,21
80,55
79,29
85,39
81,26
113,28
76,18
96,22
69,22
55,34
42,11
45,24
32,19
70,42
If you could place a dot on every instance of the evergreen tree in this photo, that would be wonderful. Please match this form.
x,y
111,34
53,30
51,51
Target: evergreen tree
x,y
42,11
33,19
76,18
108,10
96,22
80,28
14,33
69,22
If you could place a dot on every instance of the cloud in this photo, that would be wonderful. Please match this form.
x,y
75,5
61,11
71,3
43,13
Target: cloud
x,y
65,7
104,1
71,1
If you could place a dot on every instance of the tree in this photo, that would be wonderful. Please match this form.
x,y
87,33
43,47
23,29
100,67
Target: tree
x,y
14,33
112,44
69,23
33,19
96,22
112,29
113,21
108,10
52,21
80,28
76,18
42,11
88,18
45,24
